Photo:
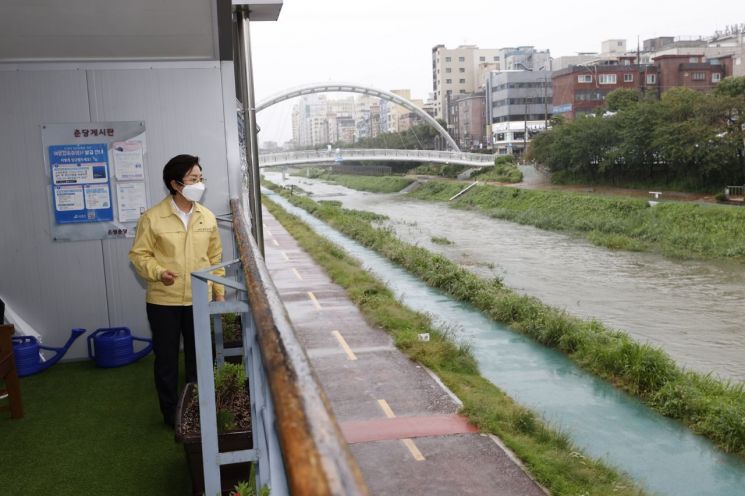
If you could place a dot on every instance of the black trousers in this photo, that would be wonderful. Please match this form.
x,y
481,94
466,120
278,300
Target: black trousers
x,y
168,324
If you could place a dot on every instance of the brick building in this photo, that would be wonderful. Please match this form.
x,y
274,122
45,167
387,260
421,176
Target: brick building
x,y
581,89
467,118
690,71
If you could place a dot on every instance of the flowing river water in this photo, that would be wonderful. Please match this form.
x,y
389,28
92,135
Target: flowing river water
x,y
659,453
694,310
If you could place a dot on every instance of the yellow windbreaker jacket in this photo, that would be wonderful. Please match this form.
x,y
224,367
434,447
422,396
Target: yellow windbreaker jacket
x,y
161,243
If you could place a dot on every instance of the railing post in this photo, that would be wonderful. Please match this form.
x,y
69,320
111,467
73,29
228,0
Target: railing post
x,y
206,381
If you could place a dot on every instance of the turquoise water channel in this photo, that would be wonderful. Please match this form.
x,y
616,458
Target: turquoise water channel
x,y
661,454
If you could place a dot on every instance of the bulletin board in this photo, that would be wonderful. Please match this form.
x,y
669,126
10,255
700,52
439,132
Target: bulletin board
x,y
96,178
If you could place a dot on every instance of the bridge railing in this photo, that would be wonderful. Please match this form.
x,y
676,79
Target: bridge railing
x,y
298,447
322,156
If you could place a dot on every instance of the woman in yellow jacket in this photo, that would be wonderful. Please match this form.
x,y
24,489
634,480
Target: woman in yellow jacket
x,y
173,239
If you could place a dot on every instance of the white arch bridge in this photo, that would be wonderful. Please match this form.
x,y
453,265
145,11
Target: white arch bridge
x,y
309,89
313,157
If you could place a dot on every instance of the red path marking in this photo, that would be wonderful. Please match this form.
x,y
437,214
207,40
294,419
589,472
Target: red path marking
x,y
360,431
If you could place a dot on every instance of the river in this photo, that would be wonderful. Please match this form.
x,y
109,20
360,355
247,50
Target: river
x,y
691,309
661,454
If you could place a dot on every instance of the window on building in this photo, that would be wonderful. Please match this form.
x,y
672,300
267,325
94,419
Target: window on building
x,y
584,78
482,59
628,78
448,59
651,78
607,78
698,76
450,92
461,69
461,59
462,81
462,92
693,60
495,58
448,81
448,70
716,77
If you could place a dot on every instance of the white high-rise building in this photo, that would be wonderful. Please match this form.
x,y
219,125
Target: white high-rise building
x,y
462,70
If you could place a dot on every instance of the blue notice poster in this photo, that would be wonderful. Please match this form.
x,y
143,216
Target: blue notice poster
x,y
81,186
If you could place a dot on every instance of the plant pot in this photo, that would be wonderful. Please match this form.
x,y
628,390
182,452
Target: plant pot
x,y
230,475
236,342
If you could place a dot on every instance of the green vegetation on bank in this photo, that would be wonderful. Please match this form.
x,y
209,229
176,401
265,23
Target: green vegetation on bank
x,y
687,138
683,230
504,171
549,456
374,184
445,170
707,405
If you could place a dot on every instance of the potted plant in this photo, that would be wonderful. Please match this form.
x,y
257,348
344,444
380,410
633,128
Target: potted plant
x,y
232,335
233,426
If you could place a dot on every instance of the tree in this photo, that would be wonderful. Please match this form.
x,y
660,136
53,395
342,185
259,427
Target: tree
x,y
731,86
621,99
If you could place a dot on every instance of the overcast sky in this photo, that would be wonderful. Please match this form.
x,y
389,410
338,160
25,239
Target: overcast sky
x,y
388,44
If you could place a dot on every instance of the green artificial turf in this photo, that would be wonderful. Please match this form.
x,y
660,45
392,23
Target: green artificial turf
x,y
91,431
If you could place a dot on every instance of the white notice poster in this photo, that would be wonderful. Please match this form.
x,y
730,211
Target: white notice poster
x,y
131,201
128,160
68,198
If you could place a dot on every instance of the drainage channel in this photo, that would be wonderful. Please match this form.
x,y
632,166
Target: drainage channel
x,y
659,453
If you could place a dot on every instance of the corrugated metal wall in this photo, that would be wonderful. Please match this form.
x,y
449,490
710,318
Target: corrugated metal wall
x,y
56,286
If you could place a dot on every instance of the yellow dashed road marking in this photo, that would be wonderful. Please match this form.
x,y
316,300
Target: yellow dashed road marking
x,y
297,274
386,409
344,345
285,255
314,300
413,450
275,242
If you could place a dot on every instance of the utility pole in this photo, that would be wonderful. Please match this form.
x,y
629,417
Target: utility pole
x,y
525,133
545,102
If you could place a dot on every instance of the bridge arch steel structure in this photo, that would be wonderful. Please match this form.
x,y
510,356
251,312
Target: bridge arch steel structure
x,y
330,157
309,89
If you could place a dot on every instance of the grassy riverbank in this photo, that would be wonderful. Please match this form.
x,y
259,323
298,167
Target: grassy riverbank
x,y
503,173
682,230
708,406
549,455
373,184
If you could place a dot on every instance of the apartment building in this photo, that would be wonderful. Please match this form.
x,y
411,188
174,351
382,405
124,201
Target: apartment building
x,y
468,119
518,105
580,89
396,119
463,70
457,71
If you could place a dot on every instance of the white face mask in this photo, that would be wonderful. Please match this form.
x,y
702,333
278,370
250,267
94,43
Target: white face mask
x,y
193,192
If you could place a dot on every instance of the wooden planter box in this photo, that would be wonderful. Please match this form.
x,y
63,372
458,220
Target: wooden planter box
x,y
230,475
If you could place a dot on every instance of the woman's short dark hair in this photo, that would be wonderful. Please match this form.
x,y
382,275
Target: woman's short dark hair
x,y
176,169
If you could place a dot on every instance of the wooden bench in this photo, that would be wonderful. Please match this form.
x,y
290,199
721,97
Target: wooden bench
x,y
8,374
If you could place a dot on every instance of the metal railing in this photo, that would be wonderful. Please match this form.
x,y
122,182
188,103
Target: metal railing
x,y
734,192
332,156
298,447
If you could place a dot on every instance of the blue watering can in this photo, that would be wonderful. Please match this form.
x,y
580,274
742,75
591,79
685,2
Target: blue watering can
x,y
26,352
114,347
